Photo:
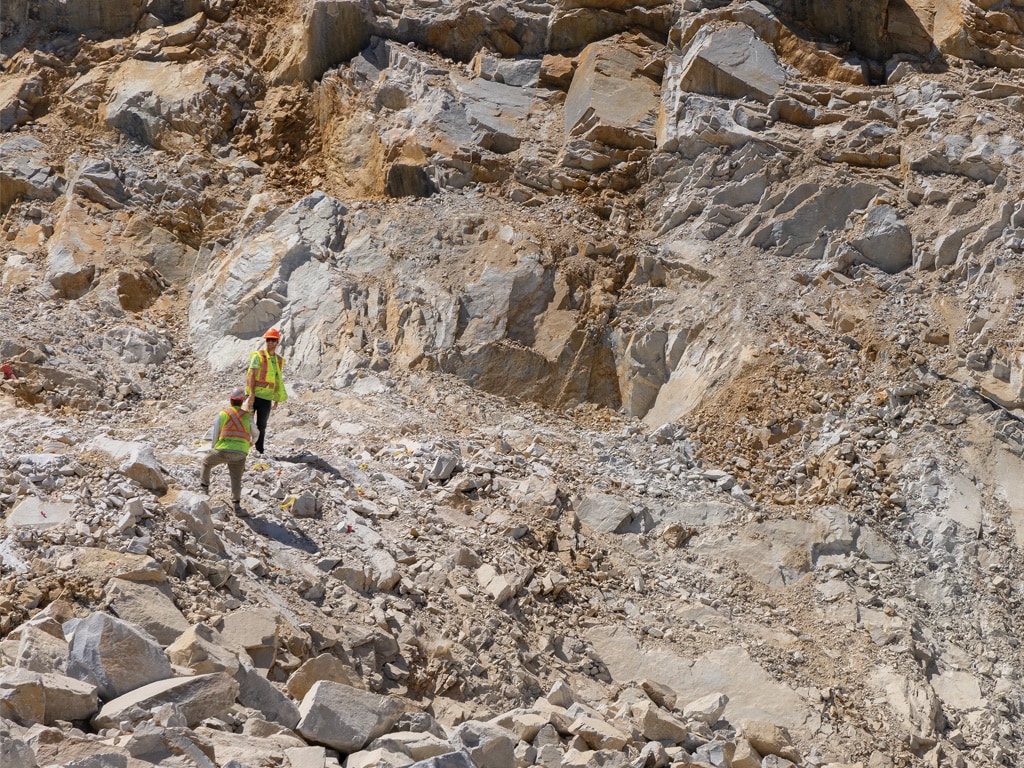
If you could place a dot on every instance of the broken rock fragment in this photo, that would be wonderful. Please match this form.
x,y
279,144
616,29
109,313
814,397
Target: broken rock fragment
x,y
115,655
345,718
196,698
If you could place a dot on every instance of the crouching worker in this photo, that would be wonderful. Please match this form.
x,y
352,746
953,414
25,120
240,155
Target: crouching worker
x,y
233,434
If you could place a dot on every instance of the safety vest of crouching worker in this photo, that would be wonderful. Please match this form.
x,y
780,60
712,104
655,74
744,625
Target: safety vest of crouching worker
x,y
235,431
233,434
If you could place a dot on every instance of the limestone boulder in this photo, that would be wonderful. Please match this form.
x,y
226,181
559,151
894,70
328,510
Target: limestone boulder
x,y
416,745
170,105
488,745
604,512
384,569
193,511
100,564
256,631
377,758
730,61
196,698
599,734
256,745
138,462
883,240
68,699
459,759
40,651
526,724
656,724
306,757
256,692
30,697
345,718
326,666
19,99
203,650
36,514
147,606
613,99
22,696
143,467
14,752
494,583
26,172
768,739
114,655
707,709
69,270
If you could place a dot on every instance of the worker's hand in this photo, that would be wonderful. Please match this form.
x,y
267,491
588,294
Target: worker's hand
x,y
274,406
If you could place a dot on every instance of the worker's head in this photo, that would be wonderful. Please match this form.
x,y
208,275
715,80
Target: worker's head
x,y
273,336
237,396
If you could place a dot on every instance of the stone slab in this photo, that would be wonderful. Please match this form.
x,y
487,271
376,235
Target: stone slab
x,y
36,514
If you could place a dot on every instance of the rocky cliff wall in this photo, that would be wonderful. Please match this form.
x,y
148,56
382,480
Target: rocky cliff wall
x,y
763,260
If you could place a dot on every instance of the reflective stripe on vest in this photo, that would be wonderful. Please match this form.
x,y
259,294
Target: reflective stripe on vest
x,y
234,431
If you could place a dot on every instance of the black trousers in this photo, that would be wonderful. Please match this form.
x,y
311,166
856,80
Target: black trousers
x,y
262,408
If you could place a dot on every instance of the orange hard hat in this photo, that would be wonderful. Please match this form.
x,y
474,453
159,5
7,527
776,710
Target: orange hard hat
x,y
273,333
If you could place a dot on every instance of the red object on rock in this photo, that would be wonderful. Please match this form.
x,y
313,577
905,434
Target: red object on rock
x,y
7,371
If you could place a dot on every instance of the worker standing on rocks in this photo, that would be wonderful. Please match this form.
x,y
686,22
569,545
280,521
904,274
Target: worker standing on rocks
x,y
233,433
265,386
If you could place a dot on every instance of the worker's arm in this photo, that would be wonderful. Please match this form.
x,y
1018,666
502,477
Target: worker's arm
x,y
250,384
215,432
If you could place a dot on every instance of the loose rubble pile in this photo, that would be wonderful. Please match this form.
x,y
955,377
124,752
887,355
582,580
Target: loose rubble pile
x,y
460,577
656,384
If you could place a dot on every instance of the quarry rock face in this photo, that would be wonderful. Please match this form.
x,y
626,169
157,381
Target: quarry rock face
x,y
655,383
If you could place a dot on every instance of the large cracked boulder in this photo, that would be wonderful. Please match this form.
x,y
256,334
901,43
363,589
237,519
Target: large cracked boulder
x,y
731,61
612,99
174,106
345,718
883,240
26,172
19,98
116,656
